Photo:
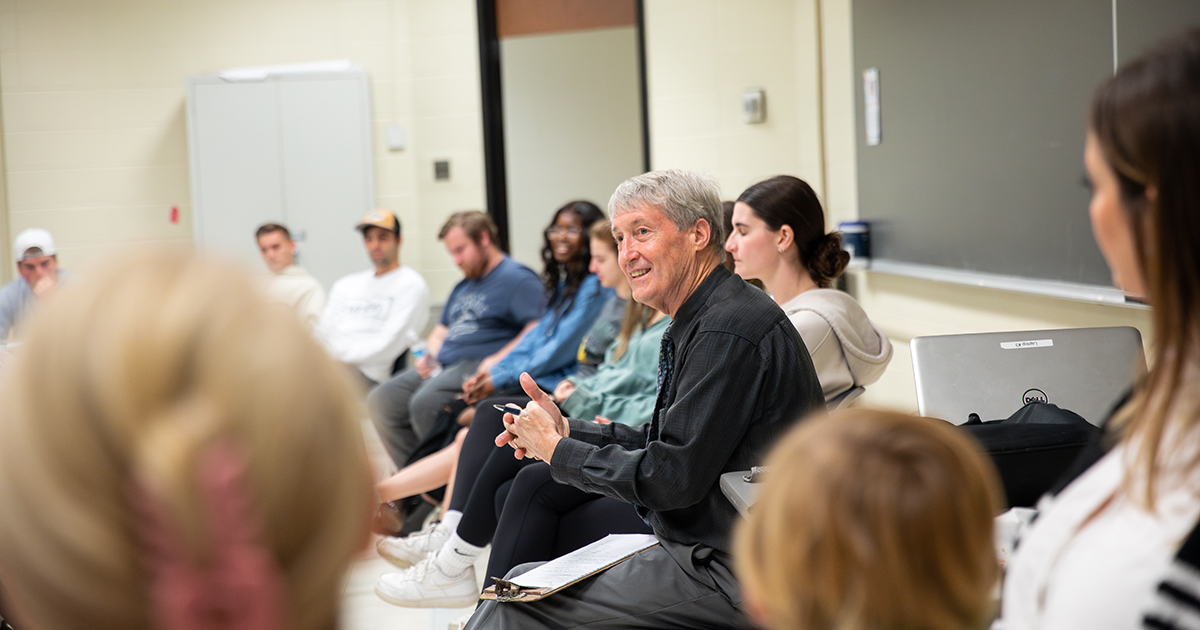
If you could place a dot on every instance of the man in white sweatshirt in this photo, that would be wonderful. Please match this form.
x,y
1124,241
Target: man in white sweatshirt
x,y
373,316
288,282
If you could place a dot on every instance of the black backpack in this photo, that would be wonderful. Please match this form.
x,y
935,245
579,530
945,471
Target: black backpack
x,y
1032,448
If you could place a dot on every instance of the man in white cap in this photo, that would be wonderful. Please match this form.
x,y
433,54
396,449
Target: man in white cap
x,y
37,264
373,316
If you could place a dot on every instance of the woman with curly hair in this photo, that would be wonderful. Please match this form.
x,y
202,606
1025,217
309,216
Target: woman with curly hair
x,y
574,300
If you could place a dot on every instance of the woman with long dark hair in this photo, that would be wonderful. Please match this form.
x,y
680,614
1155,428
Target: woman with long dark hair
x,y
566,250
1119,546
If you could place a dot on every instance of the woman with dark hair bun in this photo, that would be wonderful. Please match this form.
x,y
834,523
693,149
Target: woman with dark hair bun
x,y
779,238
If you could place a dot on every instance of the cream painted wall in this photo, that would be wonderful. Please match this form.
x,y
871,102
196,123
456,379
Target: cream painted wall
x,y
701,55
92,98
7,271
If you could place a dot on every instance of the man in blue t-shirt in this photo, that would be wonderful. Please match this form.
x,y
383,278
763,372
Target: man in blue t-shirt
x,y
485,316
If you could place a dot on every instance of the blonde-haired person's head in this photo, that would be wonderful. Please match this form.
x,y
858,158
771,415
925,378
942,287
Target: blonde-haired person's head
x,y
872,520
124,384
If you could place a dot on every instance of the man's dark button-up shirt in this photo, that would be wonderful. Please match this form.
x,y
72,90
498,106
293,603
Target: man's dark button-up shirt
x,y
742,376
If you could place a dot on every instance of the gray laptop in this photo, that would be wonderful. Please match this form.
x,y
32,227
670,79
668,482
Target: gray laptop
x,y
736,487
1085,370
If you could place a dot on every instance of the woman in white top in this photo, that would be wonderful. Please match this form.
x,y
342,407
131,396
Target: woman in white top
x,y
779,238
1106,551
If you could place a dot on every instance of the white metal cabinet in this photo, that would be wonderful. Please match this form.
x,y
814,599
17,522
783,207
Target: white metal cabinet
x,y
293,148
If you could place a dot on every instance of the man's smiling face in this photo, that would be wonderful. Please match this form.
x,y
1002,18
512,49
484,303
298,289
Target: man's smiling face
x,y
658,259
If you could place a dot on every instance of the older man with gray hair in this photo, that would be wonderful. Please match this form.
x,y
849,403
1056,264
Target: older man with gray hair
x,y
733,375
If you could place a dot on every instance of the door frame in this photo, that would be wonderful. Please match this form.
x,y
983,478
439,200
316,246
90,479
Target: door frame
x,y
492,97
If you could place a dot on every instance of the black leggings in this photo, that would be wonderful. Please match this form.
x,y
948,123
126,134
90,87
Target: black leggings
x,y
544,519
482,469
541,519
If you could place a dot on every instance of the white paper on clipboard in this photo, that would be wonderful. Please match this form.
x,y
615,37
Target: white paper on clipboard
x,y
575,566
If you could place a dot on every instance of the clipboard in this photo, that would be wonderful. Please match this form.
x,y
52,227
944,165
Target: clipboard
x,y
562,572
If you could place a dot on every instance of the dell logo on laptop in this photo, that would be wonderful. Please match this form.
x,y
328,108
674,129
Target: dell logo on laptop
x,y
1034,395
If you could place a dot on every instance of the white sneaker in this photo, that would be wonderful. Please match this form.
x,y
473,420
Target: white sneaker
x,y
405,552
425,586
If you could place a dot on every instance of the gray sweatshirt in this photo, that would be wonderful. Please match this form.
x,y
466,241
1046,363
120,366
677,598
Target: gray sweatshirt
x,y
846,348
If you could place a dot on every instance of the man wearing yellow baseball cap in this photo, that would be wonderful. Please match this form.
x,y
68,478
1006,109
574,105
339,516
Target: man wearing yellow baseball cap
x,y
373,316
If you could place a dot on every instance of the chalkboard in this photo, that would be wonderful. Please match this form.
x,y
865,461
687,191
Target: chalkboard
x,y
982,109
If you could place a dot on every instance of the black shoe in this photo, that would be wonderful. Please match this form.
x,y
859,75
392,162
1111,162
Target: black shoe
x,y
388,520
416,512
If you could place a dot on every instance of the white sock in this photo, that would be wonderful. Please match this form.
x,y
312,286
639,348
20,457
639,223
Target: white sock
x,y
450,519
456,555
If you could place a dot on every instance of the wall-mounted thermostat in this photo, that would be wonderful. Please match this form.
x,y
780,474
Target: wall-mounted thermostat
x,y
441,170
754,106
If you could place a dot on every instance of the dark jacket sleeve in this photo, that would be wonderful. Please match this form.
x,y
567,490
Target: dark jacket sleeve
x,y
603,434
697,433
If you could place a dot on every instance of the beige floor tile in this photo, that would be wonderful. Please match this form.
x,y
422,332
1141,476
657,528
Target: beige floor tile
x,y
362,609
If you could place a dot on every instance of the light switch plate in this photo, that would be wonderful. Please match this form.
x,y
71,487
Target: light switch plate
x,y
395,138
754,106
